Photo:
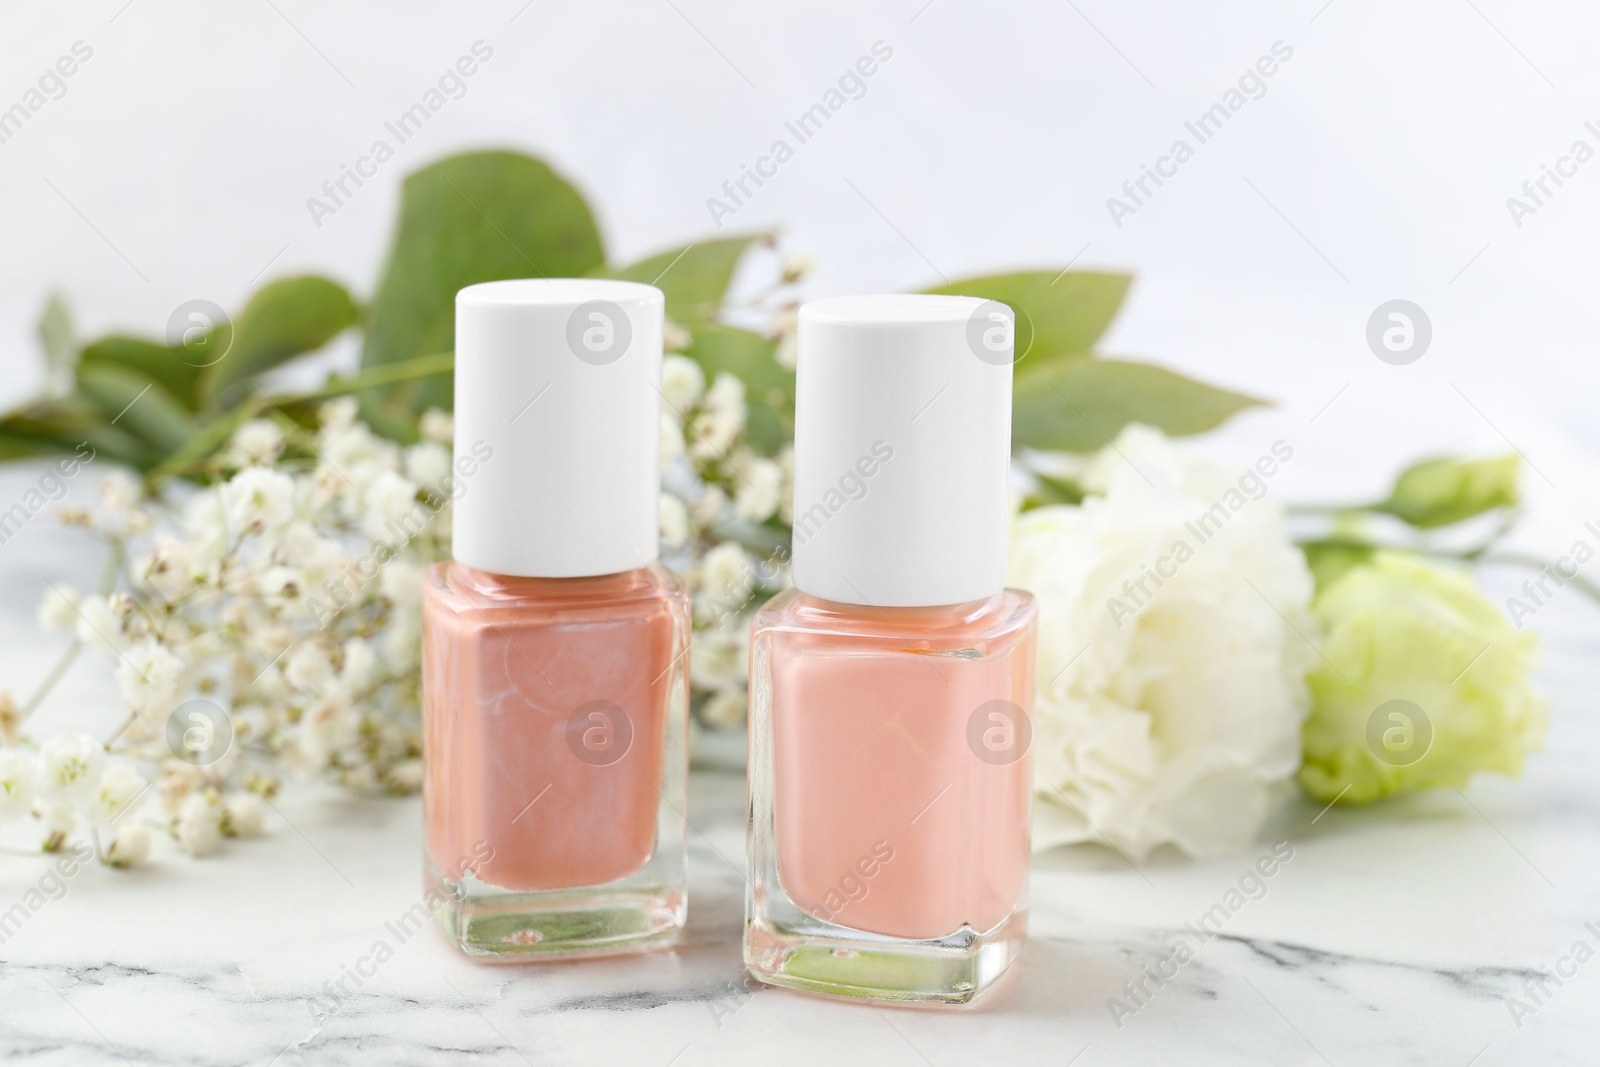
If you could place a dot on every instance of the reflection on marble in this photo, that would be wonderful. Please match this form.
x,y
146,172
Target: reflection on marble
x,y
1402,935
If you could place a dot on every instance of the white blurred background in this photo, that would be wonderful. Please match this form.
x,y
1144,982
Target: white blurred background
x,y
1376,166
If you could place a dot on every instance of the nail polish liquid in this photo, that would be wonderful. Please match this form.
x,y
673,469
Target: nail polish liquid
x,y
555,693
892,689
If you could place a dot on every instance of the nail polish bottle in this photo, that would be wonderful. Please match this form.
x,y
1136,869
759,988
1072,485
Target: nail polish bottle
x,y
555,694
892,687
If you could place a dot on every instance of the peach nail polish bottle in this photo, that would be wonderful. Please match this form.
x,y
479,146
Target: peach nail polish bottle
x,y
892,688
555,697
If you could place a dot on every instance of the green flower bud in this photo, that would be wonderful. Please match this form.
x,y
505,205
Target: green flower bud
x,y
1423,682
1444,491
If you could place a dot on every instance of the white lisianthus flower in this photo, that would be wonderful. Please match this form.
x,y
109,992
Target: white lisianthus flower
x,y
1171,676
130,847
257,441
259,498
69,769
198,827
682,382
386,502
18,772
760,489
58,610
674,521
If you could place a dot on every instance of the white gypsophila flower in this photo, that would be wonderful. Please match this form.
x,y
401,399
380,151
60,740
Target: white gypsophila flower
x,y
726,708
243,815
725,575
206,533
437,425
360,668
338,414
385,504
674,521
671,440
308,668
119,492
760,489
682,382
18,784
356,453
98,626
318,558
674,337
120,785
257,441
786,353
721,419
166,568
427,464
148,674
400,647
69,769
280,583
258,498
130,845
58,610
405,777
707,508
1171,678
198,826
719,657
401,582
56,821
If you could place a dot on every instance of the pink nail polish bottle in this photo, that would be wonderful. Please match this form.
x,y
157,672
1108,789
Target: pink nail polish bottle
x,y
555,696
892,688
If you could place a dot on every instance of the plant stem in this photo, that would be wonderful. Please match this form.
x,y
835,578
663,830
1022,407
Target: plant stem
x,y
50,680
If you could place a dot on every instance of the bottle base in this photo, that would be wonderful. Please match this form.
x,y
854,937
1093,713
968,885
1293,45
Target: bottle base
x,y
820,957
499,925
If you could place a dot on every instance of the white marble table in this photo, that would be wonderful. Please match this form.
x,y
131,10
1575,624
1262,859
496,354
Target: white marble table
x,y
1392,936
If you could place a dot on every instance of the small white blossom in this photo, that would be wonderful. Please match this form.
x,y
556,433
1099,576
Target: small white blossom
x,y
718,658
725,575
130,846
119,492
308,668
401,582
120,785
69,769
338,414
706,509
438,426
18,787
726,708
199,826
682,382
243,815
360,668
148,675
58,609
258,498
386,504
428,464
257,441
760,489
98,627
674,521
674,338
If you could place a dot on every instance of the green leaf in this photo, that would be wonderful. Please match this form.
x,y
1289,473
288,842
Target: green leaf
x,y
1439,492
1058,314
694,278
60,354
1049,491
281,321
471,218
769,387
139,404
1081,405
168,367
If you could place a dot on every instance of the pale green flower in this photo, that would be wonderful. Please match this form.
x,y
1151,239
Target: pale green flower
x,y
1423,683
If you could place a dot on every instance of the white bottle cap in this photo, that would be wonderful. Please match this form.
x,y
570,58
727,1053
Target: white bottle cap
x,y
902,449
559,379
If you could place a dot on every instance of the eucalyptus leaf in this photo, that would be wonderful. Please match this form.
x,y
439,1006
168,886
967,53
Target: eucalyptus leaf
x,y
168,367
138,403
1060,315
282,320
694,277
1081,405
471,218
